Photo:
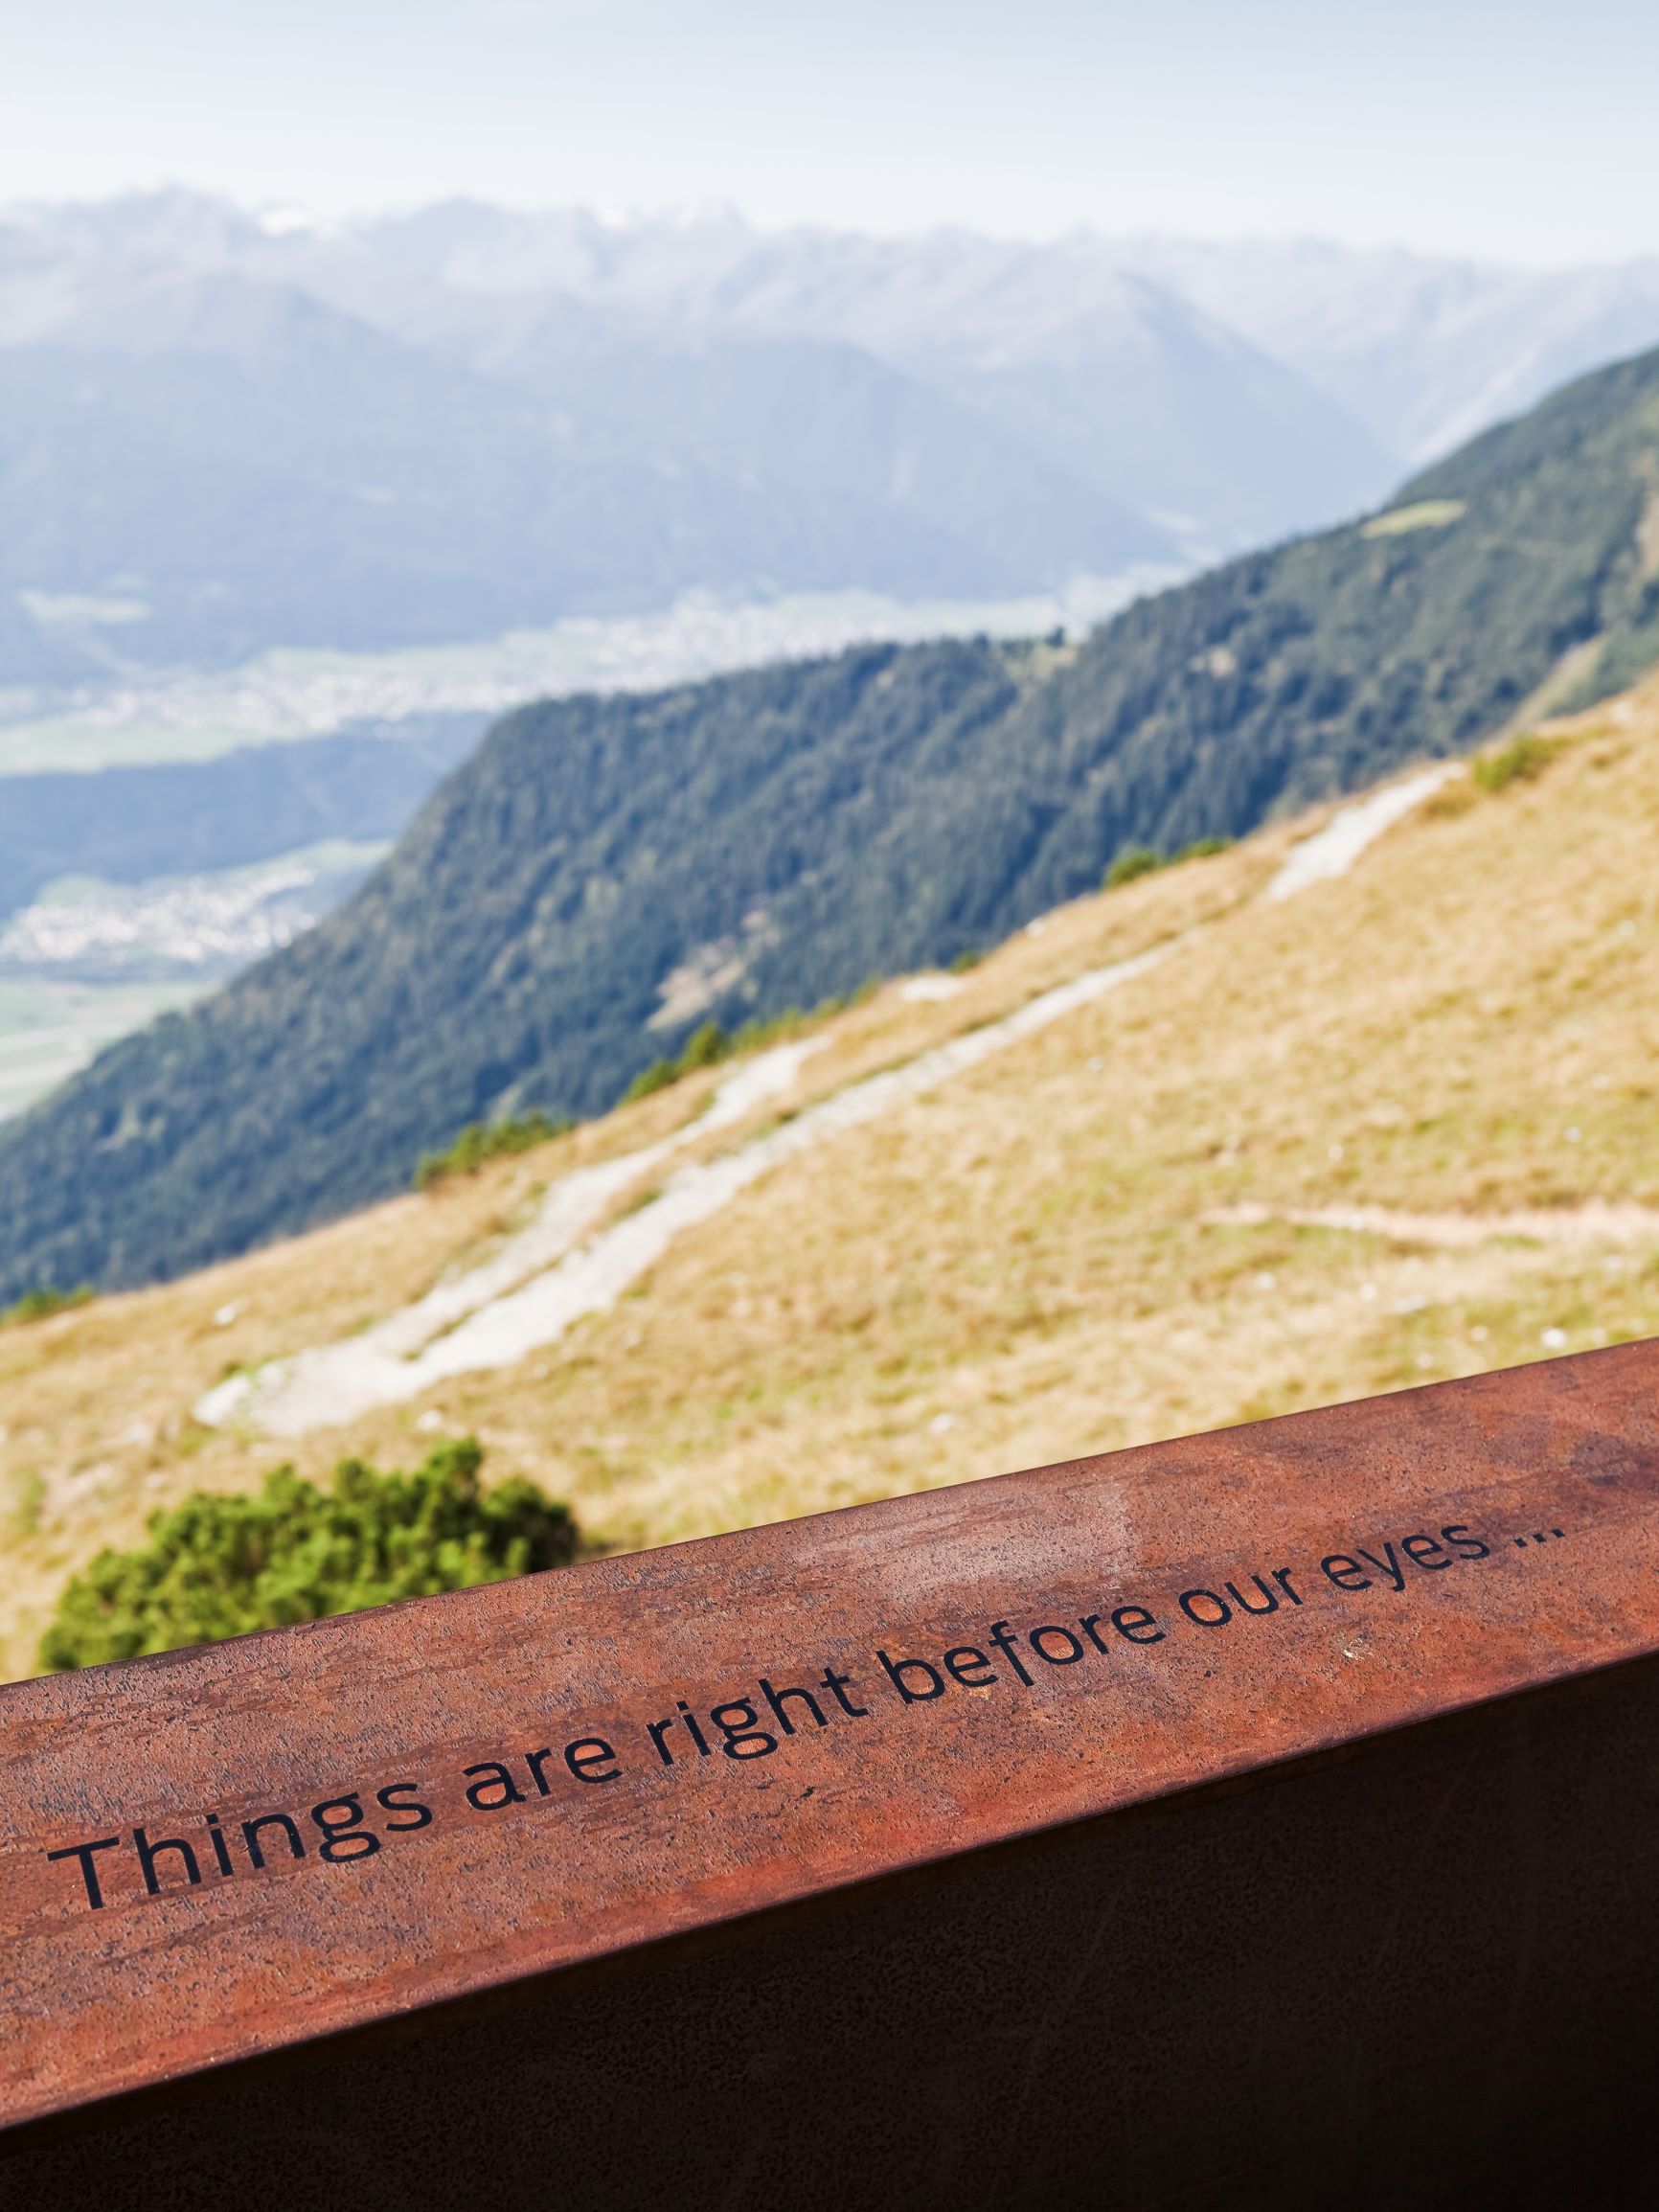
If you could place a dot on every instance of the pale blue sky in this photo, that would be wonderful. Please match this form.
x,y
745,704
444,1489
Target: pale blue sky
x,y
1518,130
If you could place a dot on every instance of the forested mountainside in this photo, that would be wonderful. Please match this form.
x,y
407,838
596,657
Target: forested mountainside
x,y
603,865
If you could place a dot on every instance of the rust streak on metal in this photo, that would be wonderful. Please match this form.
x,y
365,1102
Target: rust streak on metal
x,y
1058,1644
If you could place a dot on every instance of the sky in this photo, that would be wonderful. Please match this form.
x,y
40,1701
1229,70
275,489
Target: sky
x,y
1519,131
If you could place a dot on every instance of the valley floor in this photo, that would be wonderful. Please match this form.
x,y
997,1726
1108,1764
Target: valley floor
x,y
1397,1125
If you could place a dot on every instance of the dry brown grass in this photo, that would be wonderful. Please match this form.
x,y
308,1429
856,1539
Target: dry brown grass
x,y
1020,1266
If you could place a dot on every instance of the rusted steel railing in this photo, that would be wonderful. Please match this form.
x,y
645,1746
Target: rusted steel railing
x,y
1190,1818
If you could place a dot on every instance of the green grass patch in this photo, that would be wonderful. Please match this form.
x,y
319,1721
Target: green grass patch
x,y
1520,762
41,1305
482,1141
711,1046
1138,861
1421,514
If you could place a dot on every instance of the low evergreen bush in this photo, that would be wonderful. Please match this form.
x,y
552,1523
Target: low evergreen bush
x,y
706,1047
1517,763
41,1305
220,1567
1129,866
481,1141
1141,859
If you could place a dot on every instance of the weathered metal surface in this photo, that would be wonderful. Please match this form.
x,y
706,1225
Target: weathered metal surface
x,y
661,1743
1422,1971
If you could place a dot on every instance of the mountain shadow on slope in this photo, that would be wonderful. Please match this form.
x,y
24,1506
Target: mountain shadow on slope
x,y
126,825
783,833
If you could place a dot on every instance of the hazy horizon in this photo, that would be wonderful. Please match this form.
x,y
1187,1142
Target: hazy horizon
x,y
292,215
1464,130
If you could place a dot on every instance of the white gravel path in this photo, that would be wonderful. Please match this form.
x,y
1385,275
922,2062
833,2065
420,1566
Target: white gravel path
x,y
1597,1221
552,1275
1331,851
769,1075
496,1325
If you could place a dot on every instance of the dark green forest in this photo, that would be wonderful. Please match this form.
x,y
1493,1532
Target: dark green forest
x,y
818,822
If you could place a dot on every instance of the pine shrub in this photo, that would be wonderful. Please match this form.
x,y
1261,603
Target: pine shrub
x,y
219,1566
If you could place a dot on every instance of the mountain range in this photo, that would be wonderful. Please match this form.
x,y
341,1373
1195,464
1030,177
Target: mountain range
x,y
606,873
202,466
226,435
224,432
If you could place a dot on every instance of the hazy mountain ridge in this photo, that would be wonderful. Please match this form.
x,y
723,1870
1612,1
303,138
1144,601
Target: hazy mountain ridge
x,y
1426,352
1118,378
221,433
1423,352
129,825
198,466
799,828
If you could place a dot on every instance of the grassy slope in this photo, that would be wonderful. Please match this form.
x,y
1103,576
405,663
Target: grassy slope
x,y
1019,1266
835,819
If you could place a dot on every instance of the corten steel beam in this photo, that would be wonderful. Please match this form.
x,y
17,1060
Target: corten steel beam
x,y
1267,1816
